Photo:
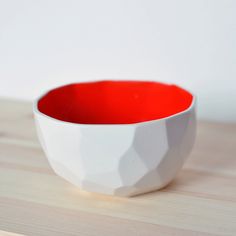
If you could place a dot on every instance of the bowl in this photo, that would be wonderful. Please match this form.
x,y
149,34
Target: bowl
x,y
119,138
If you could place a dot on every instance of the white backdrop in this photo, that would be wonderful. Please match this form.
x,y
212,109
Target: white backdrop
x,y
188,42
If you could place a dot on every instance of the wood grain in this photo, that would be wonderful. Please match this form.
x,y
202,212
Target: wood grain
x,y
34,201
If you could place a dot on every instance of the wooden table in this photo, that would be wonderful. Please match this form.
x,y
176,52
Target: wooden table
x,y
34,201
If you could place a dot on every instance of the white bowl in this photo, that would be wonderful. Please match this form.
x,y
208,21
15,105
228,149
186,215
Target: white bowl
x,y
116,137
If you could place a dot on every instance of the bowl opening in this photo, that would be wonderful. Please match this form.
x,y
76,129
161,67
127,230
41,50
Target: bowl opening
x,y
114,102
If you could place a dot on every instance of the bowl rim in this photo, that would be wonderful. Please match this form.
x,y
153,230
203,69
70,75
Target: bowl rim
x,y
37,112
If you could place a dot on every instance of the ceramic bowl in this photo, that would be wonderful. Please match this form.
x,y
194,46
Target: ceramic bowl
x,y
116,137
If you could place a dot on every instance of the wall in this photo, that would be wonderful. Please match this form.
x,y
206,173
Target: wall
x,y
191,43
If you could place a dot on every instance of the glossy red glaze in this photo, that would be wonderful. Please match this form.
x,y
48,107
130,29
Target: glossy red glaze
x,y
114,102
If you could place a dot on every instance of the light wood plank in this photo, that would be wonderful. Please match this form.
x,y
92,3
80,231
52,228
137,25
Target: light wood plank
x,y
43,220
4,233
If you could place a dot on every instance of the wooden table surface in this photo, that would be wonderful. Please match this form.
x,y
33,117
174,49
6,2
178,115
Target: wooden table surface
x,y
34,201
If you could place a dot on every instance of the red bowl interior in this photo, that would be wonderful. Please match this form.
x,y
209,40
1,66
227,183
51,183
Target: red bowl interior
x,y
114,102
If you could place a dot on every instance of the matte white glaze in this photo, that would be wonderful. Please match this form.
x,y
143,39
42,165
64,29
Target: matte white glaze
x,y
122,160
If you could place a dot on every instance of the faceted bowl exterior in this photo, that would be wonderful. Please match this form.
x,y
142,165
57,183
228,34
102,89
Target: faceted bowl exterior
x,y
121,159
